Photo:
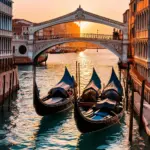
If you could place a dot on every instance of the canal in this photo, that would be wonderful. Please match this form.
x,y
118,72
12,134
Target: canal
x,y
23,129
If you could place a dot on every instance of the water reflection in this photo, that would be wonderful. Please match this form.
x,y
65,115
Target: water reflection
x,y
49,125
23,129
100,140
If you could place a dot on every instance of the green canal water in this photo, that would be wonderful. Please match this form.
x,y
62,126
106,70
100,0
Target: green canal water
x,y
23,129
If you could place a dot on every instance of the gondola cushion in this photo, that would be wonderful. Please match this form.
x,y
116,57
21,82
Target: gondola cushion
x,y
97,117
89,95
103,114
107,103
111,94
60,90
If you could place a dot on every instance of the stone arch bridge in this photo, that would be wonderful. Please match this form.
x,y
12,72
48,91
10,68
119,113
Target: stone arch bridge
x,y
117,46
106,41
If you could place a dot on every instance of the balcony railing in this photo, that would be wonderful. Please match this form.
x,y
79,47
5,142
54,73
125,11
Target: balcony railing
x,y
20,37
6,53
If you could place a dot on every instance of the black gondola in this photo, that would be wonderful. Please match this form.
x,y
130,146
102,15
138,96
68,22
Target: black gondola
x,y
107,111
59,99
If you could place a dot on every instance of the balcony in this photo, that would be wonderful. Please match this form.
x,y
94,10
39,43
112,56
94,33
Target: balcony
x,y
142,61
6,54
5,9
5,33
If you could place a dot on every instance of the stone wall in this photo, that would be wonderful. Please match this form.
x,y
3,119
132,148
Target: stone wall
x,y
8,83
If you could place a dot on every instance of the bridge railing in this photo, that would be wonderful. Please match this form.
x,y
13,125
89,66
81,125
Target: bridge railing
x,y
81,35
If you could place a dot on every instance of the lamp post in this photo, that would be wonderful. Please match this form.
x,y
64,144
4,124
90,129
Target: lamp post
x,y
97,33
97,37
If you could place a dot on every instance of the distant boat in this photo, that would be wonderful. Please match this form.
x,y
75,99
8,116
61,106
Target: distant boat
x,y
56,51
99,113
59,99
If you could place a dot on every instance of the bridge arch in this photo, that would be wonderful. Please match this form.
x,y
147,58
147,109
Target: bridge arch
x,y
78,15
40,48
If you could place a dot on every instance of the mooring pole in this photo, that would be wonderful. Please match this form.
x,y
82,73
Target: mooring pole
x,y
76,71
131,113
10,91
120,74
75,91
141,105
79,77
13,77
127,88
34,73
3,93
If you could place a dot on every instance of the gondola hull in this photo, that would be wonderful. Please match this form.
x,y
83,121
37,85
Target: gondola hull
x,y
86,125
112,91
43,109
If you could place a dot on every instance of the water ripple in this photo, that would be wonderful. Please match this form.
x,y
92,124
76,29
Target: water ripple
x,y
23,129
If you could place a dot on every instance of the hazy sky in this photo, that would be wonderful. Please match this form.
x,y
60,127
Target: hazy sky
x,y
42,10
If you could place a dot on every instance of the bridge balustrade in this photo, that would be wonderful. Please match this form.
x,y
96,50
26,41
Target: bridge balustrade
x,y
81,36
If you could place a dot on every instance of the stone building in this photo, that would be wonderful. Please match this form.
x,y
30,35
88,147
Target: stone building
x,y
138,19
20,26
8,73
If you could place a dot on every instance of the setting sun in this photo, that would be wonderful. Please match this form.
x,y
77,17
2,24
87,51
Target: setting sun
x,y
82,24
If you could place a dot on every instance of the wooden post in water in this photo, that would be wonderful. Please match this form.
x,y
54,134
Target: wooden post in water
x,y
34,76
120,74
75,92
79,77
13,77
10,91
141,105
131,114
127,88
76,71
3,93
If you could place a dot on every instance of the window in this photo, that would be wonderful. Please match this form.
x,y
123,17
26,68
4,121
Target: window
x,y
22,49
6,2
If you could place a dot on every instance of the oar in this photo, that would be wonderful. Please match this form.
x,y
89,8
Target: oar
x,y
116,116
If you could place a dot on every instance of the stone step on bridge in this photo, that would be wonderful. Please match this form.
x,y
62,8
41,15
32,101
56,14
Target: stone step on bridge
x,y
114,44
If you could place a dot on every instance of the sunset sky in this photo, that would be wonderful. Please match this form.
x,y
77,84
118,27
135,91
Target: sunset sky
x,y
42,10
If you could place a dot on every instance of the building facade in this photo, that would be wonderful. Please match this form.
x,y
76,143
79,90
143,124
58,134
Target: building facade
x,y
8,73
20,26
138,19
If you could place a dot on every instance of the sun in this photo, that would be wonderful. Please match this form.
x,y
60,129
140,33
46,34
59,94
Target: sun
x,y
82,24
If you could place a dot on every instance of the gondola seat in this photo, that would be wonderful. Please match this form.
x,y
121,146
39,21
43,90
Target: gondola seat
x,y
100,115
60,90
111,94
106,104
103,114
90,94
